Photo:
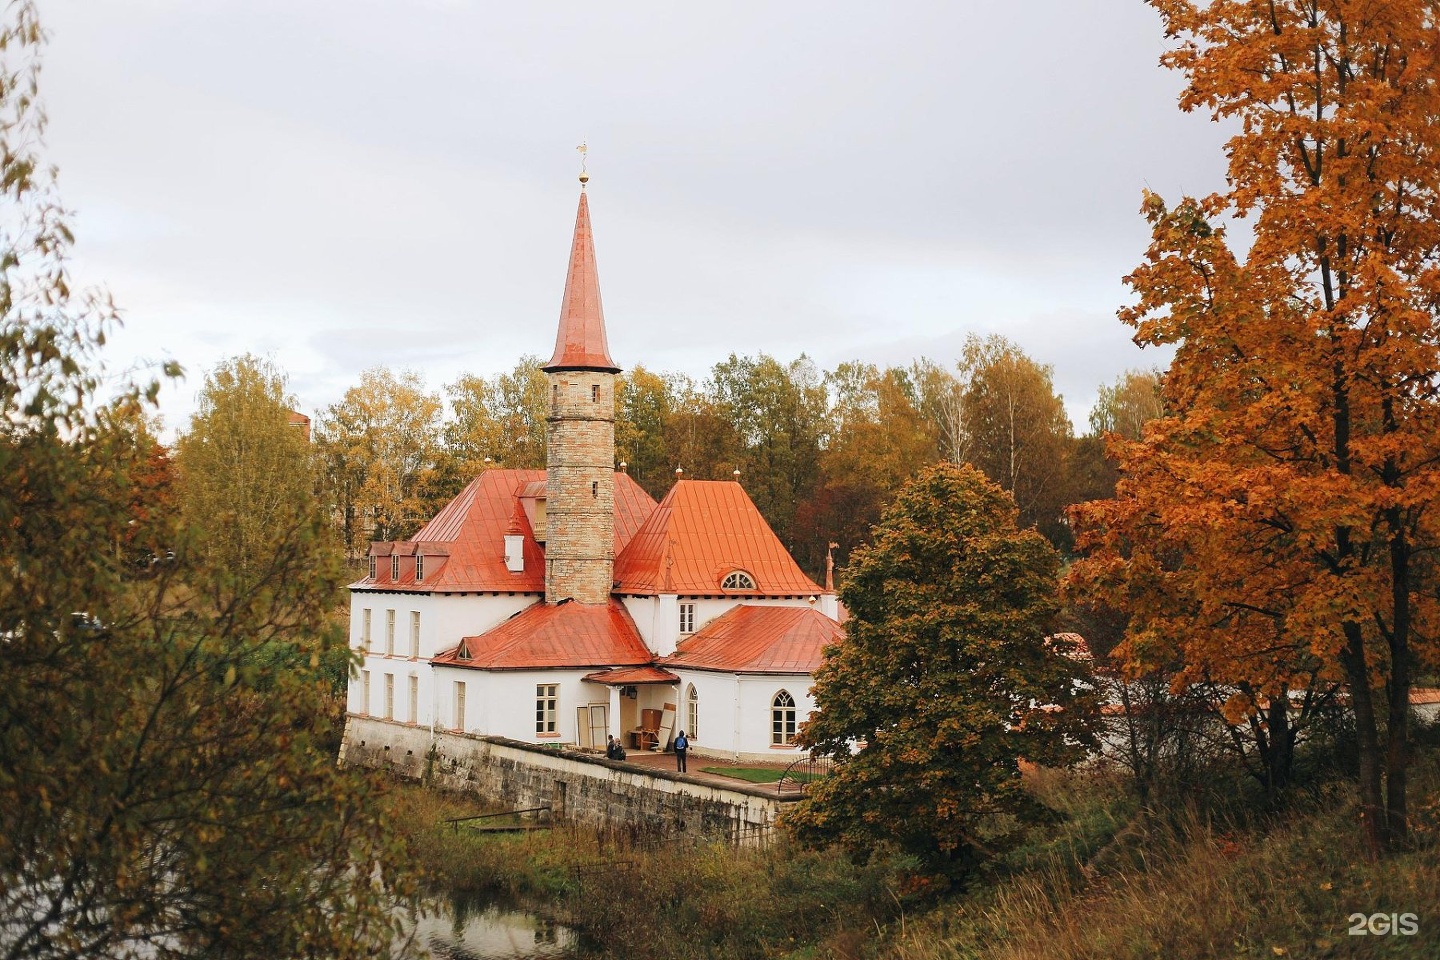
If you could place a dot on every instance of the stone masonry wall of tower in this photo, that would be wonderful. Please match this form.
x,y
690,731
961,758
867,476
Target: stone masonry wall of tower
x,y
580,486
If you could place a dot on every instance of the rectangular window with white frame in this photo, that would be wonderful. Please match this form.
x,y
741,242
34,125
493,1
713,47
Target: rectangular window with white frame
x,y
414,698
389,633
687,618
460,705
419,568
546,709
365,692
389,696
366,640
395,566
414,634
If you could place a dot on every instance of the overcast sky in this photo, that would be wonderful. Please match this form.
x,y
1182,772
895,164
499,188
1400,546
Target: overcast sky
x,y
344,184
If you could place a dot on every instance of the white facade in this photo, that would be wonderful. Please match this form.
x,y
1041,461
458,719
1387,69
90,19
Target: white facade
x,y
442,621
736,712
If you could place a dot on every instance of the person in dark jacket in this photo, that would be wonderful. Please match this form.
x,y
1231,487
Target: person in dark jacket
x,y
682,745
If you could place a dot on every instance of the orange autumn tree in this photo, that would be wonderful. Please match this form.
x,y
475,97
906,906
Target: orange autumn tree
x,y
1275,530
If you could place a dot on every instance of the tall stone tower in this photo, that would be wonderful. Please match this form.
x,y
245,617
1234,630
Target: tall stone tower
x,y
580,436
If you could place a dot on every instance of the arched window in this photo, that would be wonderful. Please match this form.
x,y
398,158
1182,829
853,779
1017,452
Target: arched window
x,y
738,580
782,719
692,712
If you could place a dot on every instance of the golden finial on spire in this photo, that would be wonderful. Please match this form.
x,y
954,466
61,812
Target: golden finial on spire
x,y
584,149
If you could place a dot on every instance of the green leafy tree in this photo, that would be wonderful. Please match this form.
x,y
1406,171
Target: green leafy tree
x,y
1122,409
500,417
1125,406
384,469
162,775
646,405
875,438
245,472
777,411
945,682
1013,427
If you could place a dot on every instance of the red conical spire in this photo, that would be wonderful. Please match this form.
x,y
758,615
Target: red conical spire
x,y
580,343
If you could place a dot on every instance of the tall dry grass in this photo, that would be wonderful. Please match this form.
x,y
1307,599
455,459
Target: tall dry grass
x,y
1107,881
1190,885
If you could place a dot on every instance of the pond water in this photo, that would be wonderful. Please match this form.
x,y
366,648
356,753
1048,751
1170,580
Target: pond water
x,y
447,931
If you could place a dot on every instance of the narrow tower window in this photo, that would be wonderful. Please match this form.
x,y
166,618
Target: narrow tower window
x,y
692,712
595,488
594,393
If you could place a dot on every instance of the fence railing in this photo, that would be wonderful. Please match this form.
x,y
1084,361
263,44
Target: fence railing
x,y
798,776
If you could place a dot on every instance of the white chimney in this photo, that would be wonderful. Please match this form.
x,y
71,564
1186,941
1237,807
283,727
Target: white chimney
x,y
514,552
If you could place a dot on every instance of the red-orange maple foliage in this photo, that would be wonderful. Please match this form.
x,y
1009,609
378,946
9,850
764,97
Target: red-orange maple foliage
x,y
1276,529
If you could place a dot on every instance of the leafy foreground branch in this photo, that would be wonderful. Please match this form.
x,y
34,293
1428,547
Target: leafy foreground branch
x,y
165,775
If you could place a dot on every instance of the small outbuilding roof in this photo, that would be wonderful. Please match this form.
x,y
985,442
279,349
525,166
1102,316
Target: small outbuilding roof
x,y
549,635
626,676
759,639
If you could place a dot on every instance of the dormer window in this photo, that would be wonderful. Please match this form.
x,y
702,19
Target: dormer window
x,y
394,566
419,568
738,580
463,653
373,558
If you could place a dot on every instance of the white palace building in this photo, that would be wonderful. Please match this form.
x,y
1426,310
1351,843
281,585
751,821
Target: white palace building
x,y
565,606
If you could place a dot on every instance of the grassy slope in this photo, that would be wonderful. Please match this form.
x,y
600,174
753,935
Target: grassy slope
x,y
1107,883
1196,889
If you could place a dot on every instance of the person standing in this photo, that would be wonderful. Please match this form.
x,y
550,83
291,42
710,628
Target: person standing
x,y
682,745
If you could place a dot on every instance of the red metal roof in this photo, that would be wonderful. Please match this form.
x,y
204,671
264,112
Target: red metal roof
x,y
755,639
702,531
629,675
580,342
549,635
470,532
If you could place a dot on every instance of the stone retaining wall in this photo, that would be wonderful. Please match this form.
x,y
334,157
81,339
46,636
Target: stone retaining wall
x,y
578,787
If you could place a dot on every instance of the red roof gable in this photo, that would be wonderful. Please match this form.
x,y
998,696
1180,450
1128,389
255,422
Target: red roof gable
x,y
754,639
702,531
470,531
580,343
549,635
